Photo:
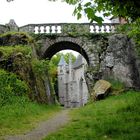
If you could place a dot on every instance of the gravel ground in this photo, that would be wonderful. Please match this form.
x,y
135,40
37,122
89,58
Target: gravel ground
x,y
44,128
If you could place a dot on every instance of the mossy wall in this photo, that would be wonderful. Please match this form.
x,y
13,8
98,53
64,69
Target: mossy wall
x,y
17,53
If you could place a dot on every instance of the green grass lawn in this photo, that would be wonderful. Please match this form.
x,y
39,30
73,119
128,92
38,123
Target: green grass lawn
x,y
115,118
19,118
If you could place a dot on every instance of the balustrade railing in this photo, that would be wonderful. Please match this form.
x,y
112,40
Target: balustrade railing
x,y
62,28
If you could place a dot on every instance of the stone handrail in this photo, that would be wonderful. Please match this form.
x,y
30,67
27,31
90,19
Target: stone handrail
x,y
62,28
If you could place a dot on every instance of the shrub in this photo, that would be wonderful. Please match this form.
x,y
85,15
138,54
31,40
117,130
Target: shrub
x,y
15,38
11,87
117,86
40,67
8,51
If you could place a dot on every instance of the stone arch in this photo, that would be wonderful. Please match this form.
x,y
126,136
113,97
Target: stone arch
x,y
52,46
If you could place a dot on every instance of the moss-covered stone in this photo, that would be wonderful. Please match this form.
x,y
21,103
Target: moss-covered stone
x,y
17,51
15,38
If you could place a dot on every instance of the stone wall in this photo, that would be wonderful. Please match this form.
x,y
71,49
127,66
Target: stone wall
x,y
17,54
107,57
119,61
3,29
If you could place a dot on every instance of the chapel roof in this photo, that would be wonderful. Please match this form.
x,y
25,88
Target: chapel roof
x,y
62,61
79,62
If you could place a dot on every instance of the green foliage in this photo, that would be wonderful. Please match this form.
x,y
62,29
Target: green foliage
x,y
15,38
133,31
43,36
40,67
116,118
7,51
117,87
11,87
20,117
42,71
53,64
118,8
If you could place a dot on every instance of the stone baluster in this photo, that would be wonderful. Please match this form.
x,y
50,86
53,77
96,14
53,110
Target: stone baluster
x,y
100,29
44,29
110,28
91,29
113,28
50,29
59,28
105,29
64,28
55,28
34,29
94,28
47,29
39,30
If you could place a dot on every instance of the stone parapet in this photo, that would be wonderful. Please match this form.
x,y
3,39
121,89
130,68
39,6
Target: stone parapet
x,y
69,28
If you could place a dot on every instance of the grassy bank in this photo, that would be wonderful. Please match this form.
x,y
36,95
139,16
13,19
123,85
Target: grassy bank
x,y
116,118
18,118
17,113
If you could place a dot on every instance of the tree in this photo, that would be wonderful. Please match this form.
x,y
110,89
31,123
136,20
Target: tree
x,y
129,9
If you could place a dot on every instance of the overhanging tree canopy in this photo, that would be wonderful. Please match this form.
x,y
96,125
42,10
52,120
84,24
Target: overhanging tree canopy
x,y
129,9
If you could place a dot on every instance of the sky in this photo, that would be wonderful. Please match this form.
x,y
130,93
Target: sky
x,y
37,11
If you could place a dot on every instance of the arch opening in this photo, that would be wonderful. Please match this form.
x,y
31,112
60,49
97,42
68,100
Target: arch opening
x,y
64,45
68,91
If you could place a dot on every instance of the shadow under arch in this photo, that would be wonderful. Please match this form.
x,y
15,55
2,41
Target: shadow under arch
x,y
64,45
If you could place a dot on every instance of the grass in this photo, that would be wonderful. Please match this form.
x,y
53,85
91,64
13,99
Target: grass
x,y
19,118
116,118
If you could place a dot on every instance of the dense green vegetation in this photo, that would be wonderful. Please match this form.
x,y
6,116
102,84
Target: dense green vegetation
x,y
17,113
18,69
116,118
23,116
7,51
11,88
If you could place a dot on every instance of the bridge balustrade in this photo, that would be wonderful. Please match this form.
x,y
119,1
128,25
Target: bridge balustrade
x,y
64,28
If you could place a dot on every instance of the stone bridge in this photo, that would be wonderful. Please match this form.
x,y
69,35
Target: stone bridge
x,y
73,36
108,54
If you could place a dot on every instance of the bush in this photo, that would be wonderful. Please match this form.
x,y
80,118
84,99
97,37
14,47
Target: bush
x,y
8,51
11,88
15,38
117,86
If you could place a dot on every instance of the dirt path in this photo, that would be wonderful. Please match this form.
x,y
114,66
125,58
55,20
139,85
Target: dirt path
x,y
44,128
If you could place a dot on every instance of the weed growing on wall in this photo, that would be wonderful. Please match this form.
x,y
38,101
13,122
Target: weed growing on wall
x,y
133,31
